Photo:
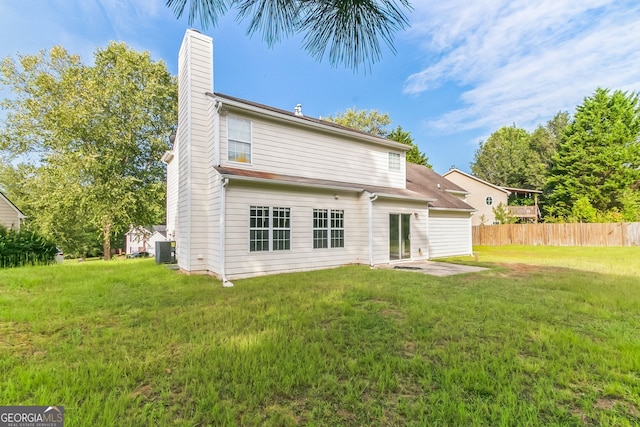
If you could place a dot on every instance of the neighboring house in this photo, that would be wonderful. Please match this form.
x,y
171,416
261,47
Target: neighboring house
x,y
10,216
254,190
143,239
484,197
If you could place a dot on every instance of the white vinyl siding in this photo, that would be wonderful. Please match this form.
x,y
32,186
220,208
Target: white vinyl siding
x,y
291,149
381,210
449,234
300,256
195,136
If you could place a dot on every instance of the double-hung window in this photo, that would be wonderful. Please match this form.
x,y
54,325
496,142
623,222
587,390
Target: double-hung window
x,y
281,225
394,161
238,139
328,228
337,228
320,228
269,228
259,228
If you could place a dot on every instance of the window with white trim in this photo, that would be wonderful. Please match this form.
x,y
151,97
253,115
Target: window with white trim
x,y
269,228
337,228
238,139
328,228
281,226
394,161
488,200
258,228
320,228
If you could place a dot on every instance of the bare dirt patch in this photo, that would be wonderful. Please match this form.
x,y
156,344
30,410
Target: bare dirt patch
x,y
525,270
16,337
145,391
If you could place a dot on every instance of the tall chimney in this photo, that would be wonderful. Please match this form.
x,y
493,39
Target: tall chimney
x,y
195,142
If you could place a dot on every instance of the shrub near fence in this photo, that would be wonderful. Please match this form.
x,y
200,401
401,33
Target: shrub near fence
x,y
610,234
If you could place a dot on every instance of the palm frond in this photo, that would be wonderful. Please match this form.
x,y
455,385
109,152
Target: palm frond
x,y
207,11
352,29
275,19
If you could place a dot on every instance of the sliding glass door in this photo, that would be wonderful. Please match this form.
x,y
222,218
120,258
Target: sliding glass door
x,y
399,236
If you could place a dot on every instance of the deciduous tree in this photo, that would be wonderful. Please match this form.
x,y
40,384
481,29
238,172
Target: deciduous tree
x,y
370,121
94,135
374,122
504,158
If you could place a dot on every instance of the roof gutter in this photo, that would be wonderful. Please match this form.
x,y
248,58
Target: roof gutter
x,y
464,193
452,209
417,197
291,183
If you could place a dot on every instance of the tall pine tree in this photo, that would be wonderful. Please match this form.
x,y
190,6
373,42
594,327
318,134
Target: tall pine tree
x,y
598,160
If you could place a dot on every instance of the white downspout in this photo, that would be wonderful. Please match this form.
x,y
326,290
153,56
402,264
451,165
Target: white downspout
x,y
225,283
217,105
372,198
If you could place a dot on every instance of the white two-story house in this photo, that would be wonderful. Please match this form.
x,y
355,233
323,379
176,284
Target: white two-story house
x,y
253,189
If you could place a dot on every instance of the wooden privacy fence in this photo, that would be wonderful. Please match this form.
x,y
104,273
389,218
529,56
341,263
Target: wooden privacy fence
x,y
610,234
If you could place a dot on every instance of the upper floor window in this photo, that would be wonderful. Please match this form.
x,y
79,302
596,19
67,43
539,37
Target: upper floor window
x,y
394,161
239,139
489,200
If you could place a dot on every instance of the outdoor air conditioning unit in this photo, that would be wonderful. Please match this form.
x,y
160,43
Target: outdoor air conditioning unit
x,y
166,252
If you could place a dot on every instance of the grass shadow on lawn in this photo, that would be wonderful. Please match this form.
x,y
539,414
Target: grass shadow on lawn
x,y
133,343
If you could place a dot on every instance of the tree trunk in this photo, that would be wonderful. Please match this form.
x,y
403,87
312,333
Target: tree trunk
x,y
106,239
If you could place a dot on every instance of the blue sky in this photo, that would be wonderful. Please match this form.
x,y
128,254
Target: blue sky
x,y
462,70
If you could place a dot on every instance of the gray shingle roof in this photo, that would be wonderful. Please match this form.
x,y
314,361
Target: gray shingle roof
x,y
423,180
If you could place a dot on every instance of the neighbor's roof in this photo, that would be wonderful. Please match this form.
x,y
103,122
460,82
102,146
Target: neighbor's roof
x,y
160,229
274,178
18,211
475,178
425,181
305,120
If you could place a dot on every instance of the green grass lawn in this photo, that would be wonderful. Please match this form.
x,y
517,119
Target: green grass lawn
x,y
129,343
616,260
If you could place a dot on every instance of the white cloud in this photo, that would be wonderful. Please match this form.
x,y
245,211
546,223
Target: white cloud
x,y
524,61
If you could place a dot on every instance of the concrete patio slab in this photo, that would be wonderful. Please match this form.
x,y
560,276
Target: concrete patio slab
x,y
434,268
